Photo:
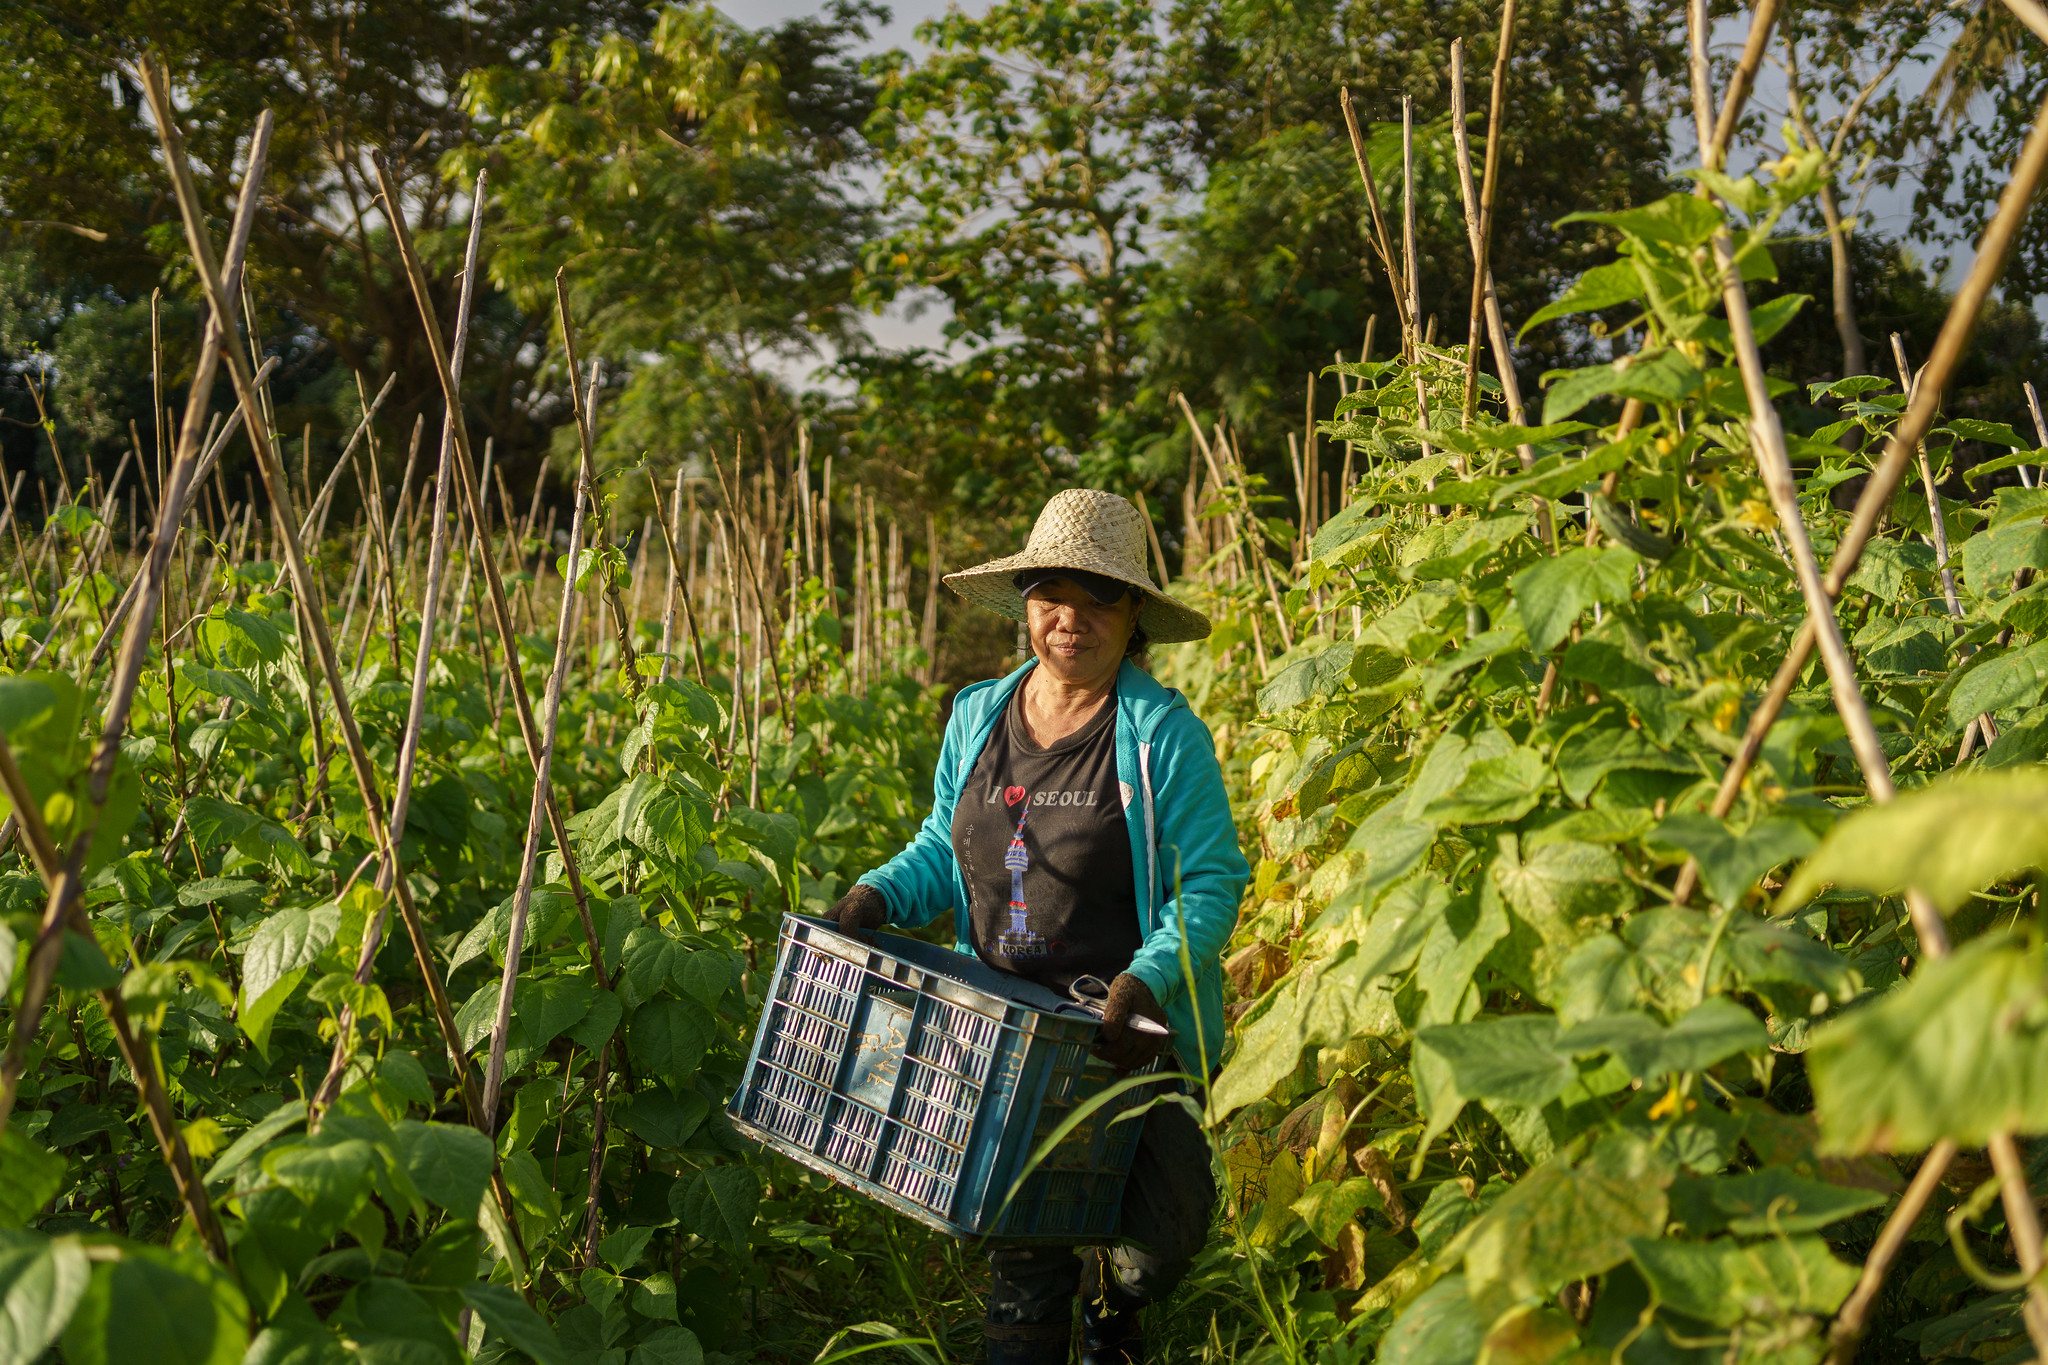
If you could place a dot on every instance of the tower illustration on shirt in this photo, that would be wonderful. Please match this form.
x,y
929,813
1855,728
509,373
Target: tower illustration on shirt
x,y
1019,940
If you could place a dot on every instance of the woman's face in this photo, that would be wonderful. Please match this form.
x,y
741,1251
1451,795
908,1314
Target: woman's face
x,y
1076,638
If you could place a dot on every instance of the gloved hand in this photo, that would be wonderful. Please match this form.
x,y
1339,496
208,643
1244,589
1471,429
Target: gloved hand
x,y
1122,1046
861,911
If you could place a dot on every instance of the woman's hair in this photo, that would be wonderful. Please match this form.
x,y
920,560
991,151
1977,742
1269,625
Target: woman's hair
x,y
1139,641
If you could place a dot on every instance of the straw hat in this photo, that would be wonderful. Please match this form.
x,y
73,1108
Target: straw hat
x,y
1083,528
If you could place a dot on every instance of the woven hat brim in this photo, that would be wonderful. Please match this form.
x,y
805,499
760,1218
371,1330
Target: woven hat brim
x,y
1165,620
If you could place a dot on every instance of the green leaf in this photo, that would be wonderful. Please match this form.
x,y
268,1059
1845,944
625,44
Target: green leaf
x,y
30,1177
1568,1219
549,1007
718,1204
598,1024
1776,1200
1514,1058
652,961
1565,891
2002,682
669,1346
1552,593
448,1163
661,1119
1304,680
1960,1050
331,1177
278,1120
250,639
1328,1208
1589,755
1681,220
706,975
655,1297
666,1038
1723,1282
1555,475
511,1321
222,683
1664,376
1947,839
1888,566
1494,789
474,1020
74,1123
165,1307
41,1281
283,948
402,1071
1440,1328
622,1249
1603,286
1772,317
1731,862
1993,433
1991,558
1714,1029
1338,998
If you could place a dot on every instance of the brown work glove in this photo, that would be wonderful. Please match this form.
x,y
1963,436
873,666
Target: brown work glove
x,y
1124,1047
861,911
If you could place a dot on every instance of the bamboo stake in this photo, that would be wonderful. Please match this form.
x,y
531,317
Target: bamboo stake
x,y
1496,327
423,659
522,901
202,468
760,602
2028,171
1489,187
65,907
1411,269
1775,466
1937,525
680,583
2040,427
586,434
1850,1319
928,630
221,303
501,611
1380,240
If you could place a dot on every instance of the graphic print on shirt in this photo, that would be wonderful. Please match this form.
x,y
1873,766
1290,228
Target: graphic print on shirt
x,y
1018,940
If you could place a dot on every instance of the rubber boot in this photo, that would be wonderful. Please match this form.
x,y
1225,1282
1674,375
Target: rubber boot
x,y
1034,1344
1110,1330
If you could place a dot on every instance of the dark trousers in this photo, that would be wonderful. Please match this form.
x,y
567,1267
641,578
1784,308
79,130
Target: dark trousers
x,y
1167,1206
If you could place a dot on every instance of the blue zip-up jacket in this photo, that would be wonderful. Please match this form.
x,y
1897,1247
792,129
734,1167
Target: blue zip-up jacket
x,y
1190,873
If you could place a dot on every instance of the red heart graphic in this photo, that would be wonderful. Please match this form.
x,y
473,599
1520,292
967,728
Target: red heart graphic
x,y
1012,795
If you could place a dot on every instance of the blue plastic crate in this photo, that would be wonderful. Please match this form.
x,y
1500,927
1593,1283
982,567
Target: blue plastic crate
x,y
925,1079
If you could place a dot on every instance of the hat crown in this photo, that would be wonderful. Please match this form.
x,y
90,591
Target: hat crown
x,y
1101,525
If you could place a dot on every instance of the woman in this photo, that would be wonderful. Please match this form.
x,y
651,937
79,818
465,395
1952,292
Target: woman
x,y
1079,826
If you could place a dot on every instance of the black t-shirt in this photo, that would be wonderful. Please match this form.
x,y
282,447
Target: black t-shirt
x,y
1043,848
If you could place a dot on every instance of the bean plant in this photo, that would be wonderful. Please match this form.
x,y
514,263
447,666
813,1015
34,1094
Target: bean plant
x,y
1538,1053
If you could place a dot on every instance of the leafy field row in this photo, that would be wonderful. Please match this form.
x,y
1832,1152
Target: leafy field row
x,y
1643,960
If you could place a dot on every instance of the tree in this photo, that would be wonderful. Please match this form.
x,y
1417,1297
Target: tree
x,y
1020,163
81,187
693,184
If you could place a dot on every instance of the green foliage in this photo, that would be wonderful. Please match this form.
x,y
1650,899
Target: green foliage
x,y
1471,947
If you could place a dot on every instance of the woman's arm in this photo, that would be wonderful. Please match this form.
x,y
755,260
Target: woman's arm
x,y
1198,844
918,882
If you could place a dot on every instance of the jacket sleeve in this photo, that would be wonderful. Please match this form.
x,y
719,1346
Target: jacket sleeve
x,y
918,883
1201,867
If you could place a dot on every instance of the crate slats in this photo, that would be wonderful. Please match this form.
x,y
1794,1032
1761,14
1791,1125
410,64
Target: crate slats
x,y
925,1080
